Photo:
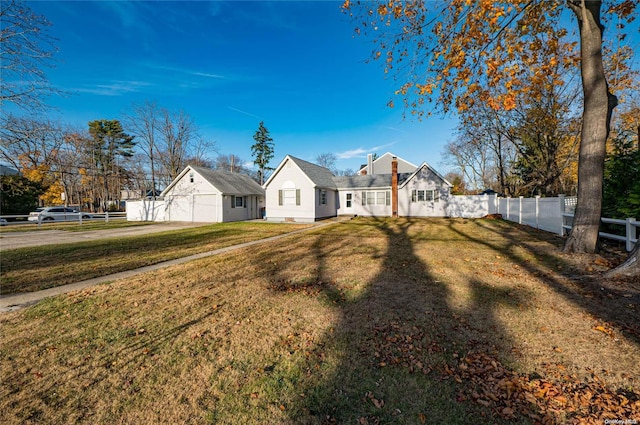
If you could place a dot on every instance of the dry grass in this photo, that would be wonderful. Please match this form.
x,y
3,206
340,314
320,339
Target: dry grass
x,y
36,268
72,226
359,322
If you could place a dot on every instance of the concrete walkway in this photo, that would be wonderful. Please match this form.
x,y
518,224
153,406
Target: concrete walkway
x,y
11,302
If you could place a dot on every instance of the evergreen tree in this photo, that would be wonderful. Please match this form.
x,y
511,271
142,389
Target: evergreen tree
x,y
109,146
19,194
262,151
621,180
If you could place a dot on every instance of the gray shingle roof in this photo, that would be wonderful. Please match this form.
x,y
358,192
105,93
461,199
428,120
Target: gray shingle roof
x,y
368,181
320,176
230,183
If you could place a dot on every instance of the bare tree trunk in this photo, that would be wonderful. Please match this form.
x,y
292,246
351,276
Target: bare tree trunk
x,y
596,118
630,268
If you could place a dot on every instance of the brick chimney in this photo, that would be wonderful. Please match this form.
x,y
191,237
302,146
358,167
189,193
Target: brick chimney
x,y
394,187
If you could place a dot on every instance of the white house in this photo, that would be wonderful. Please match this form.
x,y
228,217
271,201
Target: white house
x,y
301,191
200,194
382,165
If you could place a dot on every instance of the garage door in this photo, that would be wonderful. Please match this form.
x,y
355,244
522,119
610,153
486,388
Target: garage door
x,y
205,208
179,208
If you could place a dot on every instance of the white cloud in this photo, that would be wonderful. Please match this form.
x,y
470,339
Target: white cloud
x,y
187,71
362,152
244,112
114,88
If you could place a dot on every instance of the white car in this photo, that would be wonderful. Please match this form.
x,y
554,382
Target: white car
x,y
58,214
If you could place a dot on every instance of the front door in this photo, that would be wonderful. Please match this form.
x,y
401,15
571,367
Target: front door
x,y
348,203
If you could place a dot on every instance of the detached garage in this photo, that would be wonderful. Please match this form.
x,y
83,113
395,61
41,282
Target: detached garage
x,y
203,195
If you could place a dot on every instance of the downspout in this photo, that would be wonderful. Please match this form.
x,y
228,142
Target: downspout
x,y
394,187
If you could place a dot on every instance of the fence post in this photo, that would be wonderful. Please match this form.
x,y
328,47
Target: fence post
x,y
106,217
508,207
630,233
520,211
561,200
537,211
80,217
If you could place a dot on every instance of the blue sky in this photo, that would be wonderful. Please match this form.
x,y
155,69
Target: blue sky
x,y
293,64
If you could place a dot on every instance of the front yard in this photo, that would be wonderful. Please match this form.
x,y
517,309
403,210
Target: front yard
x,y
362,322
42,267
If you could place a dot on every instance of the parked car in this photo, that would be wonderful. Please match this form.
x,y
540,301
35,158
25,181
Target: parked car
x,y
3,222
58,214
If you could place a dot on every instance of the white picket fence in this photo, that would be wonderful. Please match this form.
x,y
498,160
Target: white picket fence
x,y
556,215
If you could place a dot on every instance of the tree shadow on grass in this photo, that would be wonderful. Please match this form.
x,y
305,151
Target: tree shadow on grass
x,y
113,357
580,287
389,356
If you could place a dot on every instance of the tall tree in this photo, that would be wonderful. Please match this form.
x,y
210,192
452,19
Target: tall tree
x,y
448,55
169,139
110,145
233,164
19,195
142,120
327,160
178,132
27,49
33,146
262,151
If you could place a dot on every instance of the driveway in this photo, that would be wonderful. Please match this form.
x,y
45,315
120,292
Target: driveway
x,y
13,240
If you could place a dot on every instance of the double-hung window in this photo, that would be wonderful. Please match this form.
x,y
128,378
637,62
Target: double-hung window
x,y
425,195
238,202
289,197
376,198
323,197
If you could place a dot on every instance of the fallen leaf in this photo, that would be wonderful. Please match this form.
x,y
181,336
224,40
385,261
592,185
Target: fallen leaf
x,y
485,403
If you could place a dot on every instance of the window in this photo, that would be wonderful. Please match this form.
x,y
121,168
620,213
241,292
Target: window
x,y
425,195
190,177
376,198
289,197
323,197
238,202
349,199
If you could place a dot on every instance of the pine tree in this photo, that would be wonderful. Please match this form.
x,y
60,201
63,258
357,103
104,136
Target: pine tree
x,y
262,151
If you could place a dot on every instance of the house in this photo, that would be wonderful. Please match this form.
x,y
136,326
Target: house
x,y
301,191
382,165
298,190
201,194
